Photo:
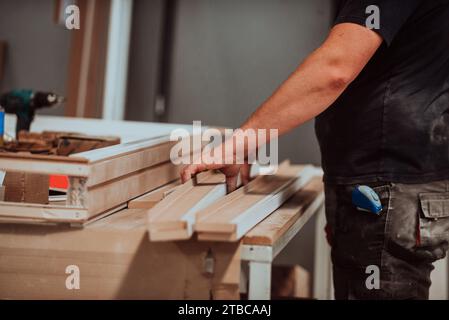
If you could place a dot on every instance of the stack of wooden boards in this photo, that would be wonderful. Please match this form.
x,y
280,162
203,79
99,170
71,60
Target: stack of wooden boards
x,y
34,188
104,181
205,208
101,181
174,216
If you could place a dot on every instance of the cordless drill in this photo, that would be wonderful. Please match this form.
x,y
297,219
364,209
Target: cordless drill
x,y
24,103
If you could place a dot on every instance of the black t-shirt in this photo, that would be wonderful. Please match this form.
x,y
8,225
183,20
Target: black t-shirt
x,y
392,122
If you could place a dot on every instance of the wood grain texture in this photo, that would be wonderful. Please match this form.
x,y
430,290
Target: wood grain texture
x,y
99,165
124,172
127,159
119,191
87,60
79,143
25,212
174,216
33,163
113,176
276,224
94,92
26,187
234,215
116,261
150,199
75,61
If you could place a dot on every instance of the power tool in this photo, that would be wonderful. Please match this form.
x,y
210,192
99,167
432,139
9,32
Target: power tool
x,y
24,103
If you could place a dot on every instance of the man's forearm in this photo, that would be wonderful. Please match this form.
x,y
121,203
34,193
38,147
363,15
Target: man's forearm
x,y
318,81
312,88
304,95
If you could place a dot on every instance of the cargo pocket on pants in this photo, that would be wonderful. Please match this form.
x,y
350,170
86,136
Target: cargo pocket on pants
x,y
434,221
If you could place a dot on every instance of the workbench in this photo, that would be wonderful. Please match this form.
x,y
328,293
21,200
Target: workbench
x,y
267,240
117,261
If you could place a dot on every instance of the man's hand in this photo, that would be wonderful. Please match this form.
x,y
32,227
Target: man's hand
x,y
230,171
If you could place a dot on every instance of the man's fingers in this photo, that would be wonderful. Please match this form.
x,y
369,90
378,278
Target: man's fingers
x,y
231,183
186,175
245,173
188,172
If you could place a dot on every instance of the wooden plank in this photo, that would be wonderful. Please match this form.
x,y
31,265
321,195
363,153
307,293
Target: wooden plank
x,y
173,218
241,199
217,236
96,73
106,178
99,165
85,203
127,219
127,130
87,60
31,163
129,171
275,225
103,215
26,187
150,199
76,143
102,197
118,160
39,212
75,62
234,215
129,158
130,147
122,149
2,58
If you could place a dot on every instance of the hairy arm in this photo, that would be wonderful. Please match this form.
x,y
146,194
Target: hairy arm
x,y
309,90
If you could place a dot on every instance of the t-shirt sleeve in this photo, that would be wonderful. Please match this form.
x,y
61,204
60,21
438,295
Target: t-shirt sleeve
x,y
392,15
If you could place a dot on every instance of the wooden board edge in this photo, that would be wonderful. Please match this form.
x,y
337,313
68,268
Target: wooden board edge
x,y
300,215
112,193
144,204
238,226
48,213
43,166
303,178
100,216
41,157
217,236
208,227
169,235
122,149
185,219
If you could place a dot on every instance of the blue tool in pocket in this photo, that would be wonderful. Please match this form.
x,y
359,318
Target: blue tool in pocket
x,y
365,198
